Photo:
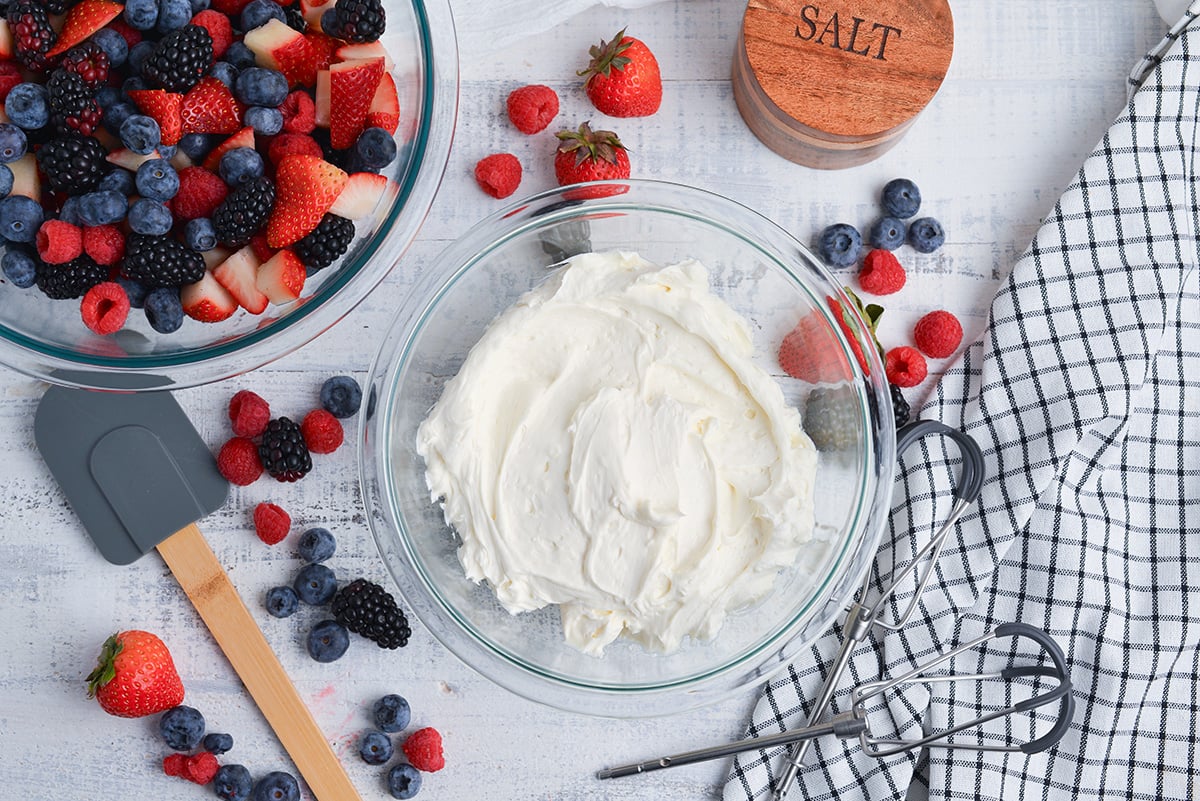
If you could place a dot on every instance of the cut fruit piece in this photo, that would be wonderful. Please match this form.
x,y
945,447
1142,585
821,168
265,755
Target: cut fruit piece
x,y
239,274
322,99
82,21
312,11
323,48
6,40
305,189
212,258
26,181
243,138
385,106
207,301
180,161
361,196
350,52
210,108
164,108
282,277
352,86
129,160
277,46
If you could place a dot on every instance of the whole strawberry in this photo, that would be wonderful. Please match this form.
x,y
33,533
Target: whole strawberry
x,y
135,676
623,78
587,155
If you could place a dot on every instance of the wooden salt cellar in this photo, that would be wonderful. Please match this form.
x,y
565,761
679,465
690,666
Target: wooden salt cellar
x,y
836,83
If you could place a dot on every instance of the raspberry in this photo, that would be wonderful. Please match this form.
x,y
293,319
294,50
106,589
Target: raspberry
x,y
173,764
288,144
905,366
322,431
299,113
499,174
248,413
532,108
938,334
424,750
59,242
231,7
271,523
808,353
200,192
200,768
130,34
104,308
262,250
10,76
218,27
881,273
104,243
238,461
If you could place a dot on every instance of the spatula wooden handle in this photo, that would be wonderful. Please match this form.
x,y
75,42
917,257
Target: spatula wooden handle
x,y
206,584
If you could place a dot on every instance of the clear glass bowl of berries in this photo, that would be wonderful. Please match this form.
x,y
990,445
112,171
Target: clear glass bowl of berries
x,y
188,194
806,335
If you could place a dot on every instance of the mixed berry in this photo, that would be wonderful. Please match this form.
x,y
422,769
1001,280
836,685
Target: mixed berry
x,y
422,748
223,154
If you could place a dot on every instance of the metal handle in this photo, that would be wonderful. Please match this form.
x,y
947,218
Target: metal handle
x,y
970,479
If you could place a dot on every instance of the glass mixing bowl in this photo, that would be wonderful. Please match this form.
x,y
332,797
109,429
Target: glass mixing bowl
x,y
765,275
47,339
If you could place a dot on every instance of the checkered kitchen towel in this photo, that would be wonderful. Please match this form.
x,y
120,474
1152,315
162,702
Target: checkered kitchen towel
x,y
1084,395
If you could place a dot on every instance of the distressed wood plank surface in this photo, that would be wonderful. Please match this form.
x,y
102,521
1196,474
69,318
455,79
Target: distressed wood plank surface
x,y
1031,88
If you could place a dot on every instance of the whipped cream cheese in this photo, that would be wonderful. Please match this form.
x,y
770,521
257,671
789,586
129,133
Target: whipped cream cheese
x,y
610,446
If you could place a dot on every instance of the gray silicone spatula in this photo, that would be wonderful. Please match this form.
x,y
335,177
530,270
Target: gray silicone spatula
x,y
139,477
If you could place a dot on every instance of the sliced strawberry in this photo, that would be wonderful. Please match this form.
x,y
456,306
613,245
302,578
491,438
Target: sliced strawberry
x,y
129,160
285,49
211,108
6,40
846,323
82,21
385,106
305,189
243,138
323,48
321,98
238,274
282,277
352,86
26,180
262,250
207,301
361,196
164,108
350,52
312,11
213,258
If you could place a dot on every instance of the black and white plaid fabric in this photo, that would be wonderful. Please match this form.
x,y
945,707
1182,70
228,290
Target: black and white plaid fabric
x,y
1085,397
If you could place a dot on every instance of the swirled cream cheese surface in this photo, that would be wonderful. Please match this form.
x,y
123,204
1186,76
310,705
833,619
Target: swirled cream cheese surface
x,y
610,447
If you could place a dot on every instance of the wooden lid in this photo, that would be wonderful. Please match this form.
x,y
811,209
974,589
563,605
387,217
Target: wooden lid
x,y
844,75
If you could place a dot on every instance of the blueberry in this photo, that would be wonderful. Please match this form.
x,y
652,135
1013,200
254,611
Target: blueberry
x,y
375,148
200,235
109,95
277,786
6,181
166,152
136,291
134,83
232,783
257,12
240,165
392,713
181,728
12,143
328,641
164,310
118,181
173,15
116,114
341,396
265,121
141,14
140,134
224,72
404,781
197,146
901,198
316,545
103,208
282,602
200,5
315,584
70,210
839,245
329,20
218,742
28,106
375,747
113,44
138,55
886,233
157,180
926,235
239,56
262,87
19,267
150,217
20,218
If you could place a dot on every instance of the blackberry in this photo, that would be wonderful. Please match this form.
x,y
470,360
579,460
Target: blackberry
x,y
829,418
89,61
295,18
283,452
32,35
161,261
180,59
59,6
73,164
368,609
244,212
70,280
326,244
73,106
359,20
899,405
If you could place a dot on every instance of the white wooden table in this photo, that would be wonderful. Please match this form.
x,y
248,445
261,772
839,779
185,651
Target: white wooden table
x,y
1032,87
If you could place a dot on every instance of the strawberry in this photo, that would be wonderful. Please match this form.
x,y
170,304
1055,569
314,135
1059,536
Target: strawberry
x,y
623,78
809,353
237,274
135,676
208,301
385,106
281,278
323,47
361,195
587,155
209,107
277,46
218,27
243,138
352,86
126,158
164,108
305,188
82,21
